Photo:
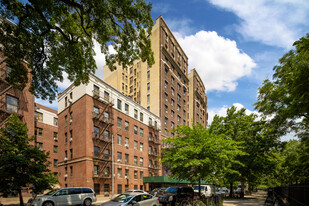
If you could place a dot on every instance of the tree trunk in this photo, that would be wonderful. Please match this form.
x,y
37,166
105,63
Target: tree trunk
x,y
199,187
21,202
242,193
231,189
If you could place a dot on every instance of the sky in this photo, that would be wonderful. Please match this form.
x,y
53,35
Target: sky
x,y
233,44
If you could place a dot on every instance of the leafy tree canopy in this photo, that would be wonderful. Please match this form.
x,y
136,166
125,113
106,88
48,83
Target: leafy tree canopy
x,y
21,164
56,36
286,97
195,154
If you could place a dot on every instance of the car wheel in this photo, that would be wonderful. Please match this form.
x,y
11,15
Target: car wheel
x,y
87,202
48,203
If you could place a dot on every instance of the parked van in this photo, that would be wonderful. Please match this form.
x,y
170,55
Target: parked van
x,y
206,190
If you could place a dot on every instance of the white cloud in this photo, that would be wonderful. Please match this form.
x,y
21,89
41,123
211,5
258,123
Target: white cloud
x,y
183,26
99,58
65,83
276,23
217,60
222,111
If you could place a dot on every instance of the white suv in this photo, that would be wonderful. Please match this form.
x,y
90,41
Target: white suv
x,y
66,196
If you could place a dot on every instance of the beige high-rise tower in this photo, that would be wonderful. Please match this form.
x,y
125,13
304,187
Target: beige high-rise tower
x,y
162,88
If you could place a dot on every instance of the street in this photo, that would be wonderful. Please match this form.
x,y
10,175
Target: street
x,y
256,199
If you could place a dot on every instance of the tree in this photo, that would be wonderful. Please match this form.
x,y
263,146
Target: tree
x,y
257,142
21,164
194,154
285,99
56,36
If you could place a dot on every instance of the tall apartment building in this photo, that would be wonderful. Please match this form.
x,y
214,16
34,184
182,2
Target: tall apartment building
x,y
103,132
162,88
46,133
197,100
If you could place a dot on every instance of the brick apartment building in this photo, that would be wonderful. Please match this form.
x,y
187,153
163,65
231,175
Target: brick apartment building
x,y
103,132
46,133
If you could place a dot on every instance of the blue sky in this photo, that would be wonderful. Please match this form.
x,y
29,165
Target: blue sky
x,y
233,44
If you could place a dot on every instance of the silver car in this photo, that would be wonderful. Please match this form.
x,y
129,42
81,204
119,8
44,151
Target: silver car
x,y
133,198
66,196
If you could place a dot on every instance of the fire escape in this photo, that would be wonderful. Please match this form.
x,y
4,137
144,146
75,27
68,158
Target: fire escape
x,y
6,107
154,144
102,138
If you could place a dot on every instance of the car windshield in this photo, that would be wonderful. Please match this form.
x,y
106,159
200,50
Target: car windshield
x,y
171,190
196,187
122,198
51,192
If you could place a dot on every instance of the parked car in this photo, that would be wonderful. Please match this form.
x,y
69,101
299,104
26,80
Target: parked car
x,y
158,191
133,198
140,191
238,191
176,194
66,196
206,190
222,192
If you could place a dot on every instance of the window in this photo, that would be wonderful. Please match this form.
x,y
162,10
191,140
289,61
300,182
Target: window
x,y
178,97
119,139
135,160
126,173
148,86
135,144
148,108
172,102
96,151
65,120
106,172
55,149
119,122
126,158
96,132
165,84
118,104
135,129
119,188
150,150
173,91
126,108
119,157
165,132
178,107
178,86
135,113
38,132
71,135
38,116
148,98
65,137
126,126
141,175
119,174
55,121
106,154
96,111
106,135
172,113
66,154
71,153
71,171
172,125
166,70
96,90
141,147
165,120
55,136
150,163
173,79
141,116
55,163
65,101
135,174
126,142
178,118
166,108
165,96
148,74
106,96
141,161
96,170
141,132
131,80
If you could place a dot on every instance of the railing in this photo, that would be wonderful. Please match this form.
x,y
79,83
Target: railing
x,y
100,96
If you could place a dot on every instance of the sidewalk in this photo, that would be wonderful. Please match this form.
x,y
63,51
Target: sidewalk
x,y
14,201
256,199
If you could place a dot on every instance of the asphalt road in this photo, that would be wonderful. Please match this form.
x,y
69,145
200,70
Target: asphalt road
x,y
256,199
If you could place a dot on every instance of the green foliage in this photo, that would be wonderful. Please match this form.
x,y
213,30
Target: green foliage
x,y
21,164
258,142
196,154
286,97
56,36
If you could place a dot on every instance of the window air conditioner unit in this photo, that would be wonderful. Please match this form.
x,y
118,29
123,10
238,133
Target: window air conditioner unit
x,y
126,177
65,159
66,175
71,139
71,121
55,138
118,160
127,146
70,101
